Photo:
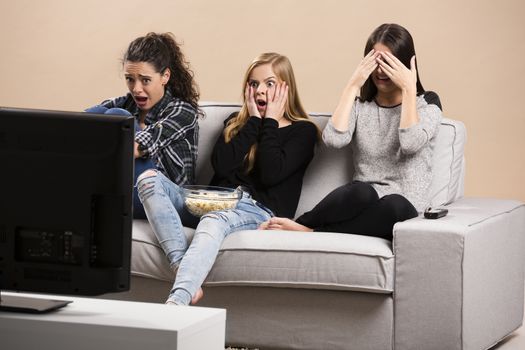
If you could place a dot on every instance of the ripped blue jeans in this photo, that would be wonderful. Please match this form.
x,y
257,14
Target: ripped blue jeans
x,y
163,203
164,206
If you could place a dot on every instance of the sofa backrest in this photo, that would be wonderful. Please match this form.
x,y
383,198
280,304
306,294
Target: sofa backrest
x,y
331,167
449,163
210,128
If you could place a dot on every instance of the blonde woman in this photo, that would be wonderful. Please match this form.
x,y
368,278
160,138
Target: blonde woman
x,y
265,149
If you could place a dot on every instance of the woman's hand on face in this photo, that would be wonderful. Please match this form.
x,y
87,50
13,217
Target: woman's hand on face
x,y
367,65
249,98
400,75
276,101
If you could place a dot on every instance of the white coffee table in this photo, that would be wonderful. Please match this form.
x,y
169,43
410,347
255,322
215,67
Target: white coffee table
x,y
98,324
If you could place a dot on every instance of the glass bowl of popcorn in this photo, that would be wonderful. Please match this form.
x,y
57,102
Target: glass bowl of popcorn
x,y
199,199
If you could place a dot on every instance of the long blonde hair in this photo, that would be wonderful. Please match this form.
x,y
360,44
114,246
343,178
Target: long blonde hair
x,y
294,110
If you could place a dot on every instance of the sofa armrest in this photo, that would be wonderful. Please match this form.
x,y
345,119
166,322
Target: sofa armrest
x,y
459,280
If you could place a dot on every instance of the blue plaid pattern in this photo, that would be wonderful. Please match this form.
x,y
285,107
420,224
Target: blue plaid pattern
x,y
170,136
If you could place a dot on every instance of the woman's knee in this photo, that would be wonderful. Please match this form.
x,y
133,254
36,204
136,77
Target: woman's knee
x,y
146,183
147,174
219,217
98,109
399,206
117,111
214,225
362,192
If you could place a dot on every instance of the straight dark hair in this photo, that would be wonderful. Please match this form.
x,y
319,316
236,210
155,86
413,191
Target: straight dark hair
x,y
163,52
400,42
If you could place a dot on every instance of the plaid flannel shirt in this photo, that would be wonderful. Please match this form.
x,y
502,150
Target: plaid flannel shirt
x,y
170,136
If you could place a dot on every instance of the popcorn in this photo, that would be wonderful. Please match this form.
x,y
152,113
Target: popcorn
x,y
206,202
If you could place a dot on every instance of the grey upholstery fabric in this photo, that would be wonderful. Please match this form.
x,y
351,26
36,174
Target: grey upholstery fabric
x,y
318,261
448,170
459,280
283,318
210,128
282,259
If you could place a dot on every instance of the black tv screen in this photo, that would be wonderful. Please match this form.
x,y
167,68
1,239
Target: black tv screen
x,y
66,201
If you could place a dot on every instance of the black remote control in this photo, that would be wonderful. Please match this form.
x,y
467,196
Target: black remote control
x,y
437,213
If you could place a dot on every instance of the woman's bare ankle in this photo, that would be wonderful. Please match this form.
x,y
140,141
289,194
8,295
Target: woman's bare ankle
x,y
197,297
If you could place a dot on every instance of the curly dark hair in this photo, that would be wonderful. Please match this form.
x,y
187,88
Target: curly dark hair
x,y
163,52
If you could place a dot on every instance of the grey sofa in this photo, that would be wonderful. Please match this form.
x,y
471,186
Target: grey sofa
x,y
452,283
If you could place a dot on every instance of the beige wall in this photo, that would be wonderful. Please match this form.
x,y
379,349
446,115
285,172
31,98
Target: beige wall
x,y
63,54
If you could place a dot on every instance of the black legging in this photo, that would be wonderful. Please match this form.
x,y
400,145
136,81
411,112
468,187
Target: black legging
x,y
356,208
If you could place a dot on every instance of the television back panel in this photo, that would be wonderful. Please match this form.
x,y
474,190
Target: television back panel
x,y
66,201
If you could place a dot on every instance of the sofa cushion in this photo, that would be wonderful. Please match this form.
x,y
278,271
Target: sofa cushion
x,y
329,169
147,257
210,128
317,260
448,168
283,259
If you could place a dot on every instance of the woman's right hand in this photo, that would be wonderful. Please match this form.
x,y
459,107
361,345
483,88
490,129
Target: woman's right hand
x,y
367,65
341,116
249,99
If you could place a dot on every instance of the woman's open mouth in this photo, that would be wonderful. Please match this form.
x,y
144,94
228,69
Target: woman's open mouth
x,y
261,106
382,80
140,100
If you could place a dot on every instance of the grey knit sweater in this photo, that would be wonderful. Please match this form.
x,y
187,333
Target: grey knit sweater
x,y
391,159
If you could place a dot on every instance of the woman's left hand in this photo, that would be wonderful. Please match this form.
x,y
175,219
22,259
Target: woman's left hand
x,y
136,152
400,75
276,101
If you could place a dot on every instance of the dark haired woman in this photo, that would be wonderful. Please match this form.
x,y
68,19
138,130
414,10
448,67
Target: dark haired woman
x,y
392,129
163,97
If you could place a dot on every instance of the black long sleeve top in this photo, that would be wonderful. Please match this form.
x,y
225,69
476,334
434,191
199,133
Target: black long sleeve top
x,y
283,154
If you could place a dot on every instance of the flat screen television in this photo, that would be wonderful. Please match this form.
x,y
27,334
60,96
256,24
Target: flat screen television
x,y
65,202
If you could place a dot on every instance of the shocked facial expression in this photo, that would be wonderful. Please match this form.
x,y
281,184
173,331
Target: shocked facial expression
x,y
383,83
145,84
263,79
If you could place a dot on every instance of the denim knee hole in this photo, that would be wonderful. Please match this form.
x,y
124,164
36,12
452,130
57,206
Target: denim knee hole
x,y
146,184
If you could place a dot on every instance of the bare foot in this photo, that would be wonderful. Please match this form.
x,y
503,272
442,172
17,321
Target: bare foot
x,y
284,224
264,225
198,296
